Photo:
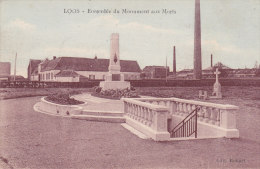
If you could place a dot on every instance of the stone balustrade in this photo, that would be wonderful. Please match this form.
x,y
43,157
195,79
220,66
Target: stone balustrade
x,y
222,115
148,118
147,110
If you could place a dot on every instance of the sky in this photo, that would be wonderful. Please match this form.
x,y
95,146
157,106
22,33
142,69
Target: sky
x,y
46,28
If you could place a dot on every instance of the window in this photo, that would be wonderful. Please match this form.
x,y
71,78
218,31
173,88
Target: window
x,y
91,76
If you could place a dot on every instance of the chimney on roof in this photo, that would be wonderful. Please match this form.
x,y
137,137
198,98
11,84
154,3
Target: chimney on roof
x,y
54,57
95,57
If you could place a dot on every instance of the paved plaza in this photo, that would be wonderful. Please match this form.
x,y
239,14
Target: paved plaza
x,y
29,139
100,104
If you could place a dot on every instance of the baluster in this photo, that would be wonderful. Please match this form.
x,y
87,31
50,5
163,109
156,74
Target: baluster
x,y
183,106
134,112
150,120
152,115
145,116
180,109
172,107
177,108
141,114
189,108
207,114
185,109
212,116
129,110
138,113
148,116
218,118
126,108
201,113
193,107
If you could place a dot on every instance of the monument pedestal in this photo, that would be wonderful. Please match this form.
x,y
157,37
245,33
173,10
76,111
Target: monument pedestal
x,y
106,85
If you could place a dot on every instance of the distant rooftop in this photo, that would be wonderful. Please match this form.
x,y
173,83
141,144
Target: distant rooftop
x,y
87,64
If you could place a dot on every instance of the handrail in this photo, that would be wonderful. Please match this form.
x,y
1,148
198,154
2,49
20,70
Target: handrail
x,y
181,126
194,102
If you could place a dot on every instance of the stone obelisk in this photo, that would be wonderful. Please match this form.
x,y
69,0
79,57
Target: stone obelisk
x,y
197,42
114,63
114,78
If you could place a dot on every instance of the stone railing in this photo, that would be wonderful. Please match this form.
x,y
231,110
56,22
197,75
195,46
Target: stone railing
x,y
142,110
222,115
148,118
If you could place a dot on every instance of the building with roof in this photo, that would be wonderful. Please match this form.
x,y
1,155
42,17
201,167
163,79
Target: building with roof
x,y
74,69
153,72
32,70
5,70
226,72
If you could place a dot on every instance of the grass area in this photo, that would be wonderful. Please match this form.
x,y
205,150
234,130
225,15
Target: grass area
x,y
11,93
193,92
251,93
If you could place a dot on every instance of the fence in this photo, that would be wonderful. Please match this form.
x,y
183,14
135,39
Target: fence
x,y
39,84
135,83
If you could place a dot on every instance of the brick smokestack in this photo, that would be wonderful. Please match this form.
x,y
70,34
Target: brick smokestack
x,y
174,61
197,42
211,61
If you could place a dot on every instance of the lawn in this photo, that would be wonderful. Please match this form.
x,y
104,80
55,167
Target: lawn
x,y
11,93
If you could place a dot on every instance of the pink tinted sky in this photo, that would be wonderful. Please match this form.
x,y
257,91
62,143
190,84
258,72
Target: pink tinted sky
x,y
37,30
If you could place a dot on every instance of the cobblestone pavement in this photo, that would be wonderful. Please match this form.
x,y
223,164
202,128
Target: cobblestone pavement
x,y
33,140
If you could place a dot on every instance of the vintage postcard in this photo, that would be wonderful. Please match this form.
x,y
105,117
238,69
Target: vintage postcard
x,y
129,84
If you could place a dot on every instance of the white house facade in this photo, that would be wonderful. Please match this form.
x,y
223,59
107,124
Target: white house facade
x,y
72,69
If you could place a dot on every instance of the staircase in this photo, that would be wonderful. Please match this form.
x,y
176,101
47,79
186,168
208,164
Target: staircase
x,y
187,126
101,116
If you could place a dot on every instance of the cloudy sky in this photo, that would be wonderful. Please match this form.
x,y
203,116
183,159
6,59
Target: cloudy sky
x,y
42,29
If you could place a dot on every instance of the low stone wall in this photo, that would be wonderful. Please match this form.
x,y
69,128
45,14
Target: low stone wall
x,y
58,109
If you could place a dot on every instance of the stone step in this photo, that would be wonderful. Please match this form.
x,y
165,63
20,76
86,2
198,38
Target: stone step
x,y
102,113
111,119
